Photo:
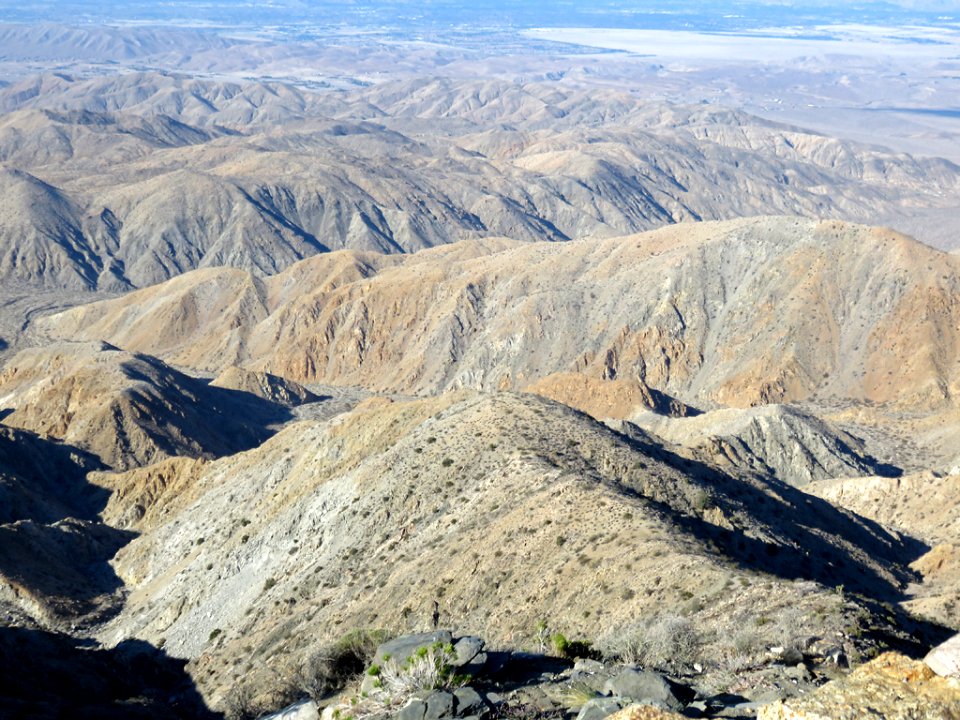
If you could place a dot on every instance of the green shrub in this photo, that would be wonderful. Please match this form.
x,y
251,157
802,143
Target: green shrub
x,y
573,649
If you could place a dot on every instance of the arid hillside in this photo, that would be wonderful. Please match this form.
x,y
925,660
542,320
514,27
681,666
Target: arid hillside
x,y
505,509
128,409
598,438
739,313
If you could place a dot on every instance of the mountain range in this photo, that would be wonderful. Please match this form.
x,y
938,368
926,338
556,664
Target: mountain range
x,y
120,182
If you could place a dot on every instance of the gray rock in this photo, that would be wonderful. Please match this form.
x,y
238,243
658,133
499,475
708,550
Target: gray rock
x,y
597,682
304,710
468,701
478,665
944,659
645,687
439,705
747,710
599,708
414,710
585,665
786,655
740,710
829,651
798,672
467,648
401,648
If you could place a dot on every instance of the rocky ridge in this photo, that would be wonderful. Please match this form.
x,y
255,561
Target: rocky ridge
x,y
780,440
745,312
128,409
385,495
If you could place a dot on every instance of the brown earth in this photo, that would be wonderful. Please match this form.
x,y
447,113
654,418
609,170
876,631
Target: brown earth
x,y
743,313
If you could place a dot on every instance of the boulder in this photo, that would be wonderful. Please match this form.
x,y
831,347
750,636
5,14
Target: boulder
x,y
466,649
416,709
586,665
469,702
944,659
892,686
439,705
644,686
401,648
600,708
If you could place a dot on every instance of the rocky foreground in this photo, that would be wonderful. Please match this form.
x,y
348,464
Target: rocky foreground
x,y
436,676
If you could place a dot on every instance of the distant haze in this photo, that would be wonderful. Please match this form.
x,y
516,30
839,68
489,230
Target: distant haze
x,y
436,14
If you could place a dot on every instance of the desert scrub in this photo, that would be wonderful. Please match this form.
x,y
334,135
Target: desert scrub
x,y
395,681
668,641
329,669
429,668
573,649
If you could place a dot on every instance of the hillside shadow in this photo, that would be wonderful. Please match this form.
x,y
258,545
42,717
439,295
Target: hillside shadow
x,y
53,548
877,467
64,567
223,421
799,526
45,675
51,478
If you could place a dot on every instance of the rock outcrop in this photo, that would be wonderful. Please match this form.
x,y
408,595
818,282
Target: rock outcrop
x,y
265,386
892,687
944,659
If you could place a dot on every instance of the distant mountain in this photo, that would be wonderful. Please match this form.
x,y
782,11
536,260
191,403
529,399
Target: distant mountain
x,y
140,177
100,43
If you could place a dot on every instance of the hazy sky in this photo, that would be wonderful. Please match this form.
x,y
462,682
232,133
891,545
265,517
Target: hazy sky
x,y
651,14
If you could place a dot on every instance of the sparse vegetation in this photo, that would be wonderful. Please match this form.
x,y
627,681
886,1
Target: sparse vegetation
x,y
429,668
572,649
330,668
668,642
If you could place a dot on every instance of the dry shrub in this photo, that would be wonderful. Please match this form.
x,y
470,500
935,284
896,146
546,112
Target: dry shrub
x,y
667,641
329,669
